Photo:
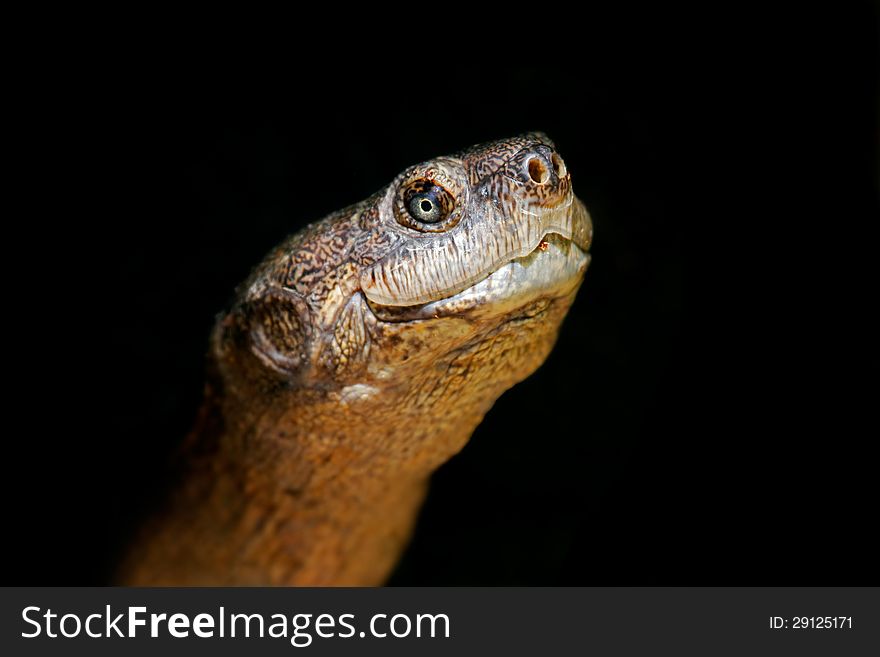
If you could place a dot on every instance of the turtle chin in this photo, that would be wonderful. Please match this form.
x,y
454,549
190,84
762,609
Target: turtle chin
x,y
553,270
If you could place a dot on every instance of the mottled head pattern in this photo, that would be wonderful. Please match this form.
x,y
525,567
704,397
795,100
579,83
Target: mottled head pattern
x,y
455,251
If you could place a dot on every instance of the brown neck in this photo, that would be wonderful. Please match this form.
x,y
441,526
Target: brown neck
x,y
312,484
320,490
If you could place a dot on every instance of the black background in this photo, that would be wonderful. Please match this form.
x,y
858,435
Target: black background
x,y
688,428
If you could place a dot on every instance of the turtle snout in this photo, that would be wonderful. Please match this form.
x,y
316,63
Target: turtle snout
x,y
545,166
542,174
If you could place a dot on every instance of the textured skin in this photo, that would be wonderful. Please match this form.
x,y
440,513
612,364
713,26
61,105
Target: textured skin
x,y
326,412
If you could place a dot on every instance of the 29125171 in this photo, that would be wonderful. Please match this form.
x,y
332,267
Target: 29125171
x,y
811,623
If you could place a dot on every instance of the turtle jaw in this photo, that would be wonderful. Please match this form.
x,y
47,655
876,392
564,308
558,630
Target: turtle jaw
x,y
437,268
554,269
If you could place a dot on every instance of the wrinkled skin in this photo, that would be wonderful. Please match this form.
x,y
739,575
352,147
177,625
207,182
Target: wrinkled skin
x,y
359,357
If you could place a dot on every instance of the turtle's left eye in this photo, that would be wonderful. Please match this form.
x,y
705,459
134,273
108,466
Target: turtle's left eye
x,y
426,204
425,208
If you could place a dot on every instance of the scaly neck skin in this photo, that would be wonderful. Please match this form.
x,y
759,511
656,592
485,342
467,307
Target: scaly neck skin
x,y
316,487
275,502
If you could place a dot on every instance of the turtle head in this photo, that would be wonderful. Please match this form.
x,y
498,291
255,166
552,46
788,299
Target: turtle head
x,y
480,252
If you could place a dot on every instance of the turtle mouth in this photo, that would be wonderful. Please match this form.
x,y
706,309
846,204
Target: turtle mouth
x,y
554,269
428,271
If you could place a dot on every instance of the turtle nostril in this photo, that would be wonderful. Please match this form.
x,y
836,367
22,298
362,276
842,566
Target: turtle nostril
x,y
538,170
558,165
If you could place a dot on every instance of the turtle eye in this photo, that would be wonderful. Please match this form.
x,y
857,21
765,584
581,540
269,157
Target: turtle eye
x,y
426,204
425,208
